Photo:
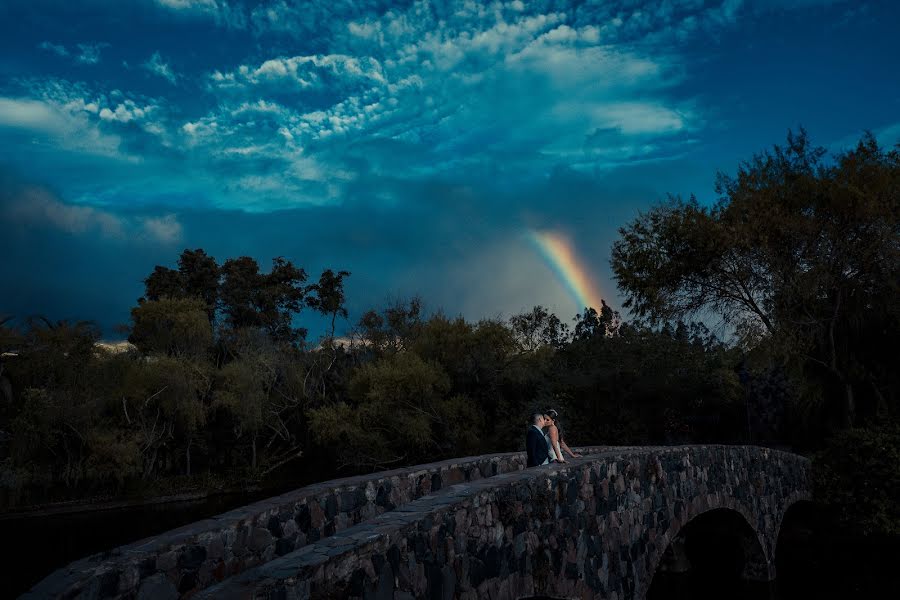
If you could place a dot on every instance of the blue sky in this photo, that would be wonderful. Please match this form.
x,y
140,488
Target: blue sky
x,y
413,143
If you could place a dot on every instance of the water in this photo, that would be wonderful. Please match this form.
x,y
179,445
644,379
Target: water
x,y
45,543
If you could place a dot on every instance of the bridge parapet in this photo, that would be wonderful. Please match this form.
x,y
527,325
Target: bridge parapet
x,y
597,527
190,558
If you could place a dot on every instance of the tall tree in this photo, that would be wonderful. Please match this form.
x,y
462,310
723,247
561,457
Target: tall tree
x,y
328,297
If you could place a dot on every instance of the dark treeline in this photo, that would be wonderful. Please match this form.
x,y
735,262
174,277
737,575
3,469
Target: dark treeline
x,y
800,258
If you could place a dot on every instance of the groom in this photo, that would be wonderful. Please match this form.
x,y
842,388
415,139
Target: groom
x,y
535,443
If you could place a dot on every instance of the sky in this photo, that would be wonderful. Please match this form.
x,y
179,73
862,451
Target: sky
x,y
479,155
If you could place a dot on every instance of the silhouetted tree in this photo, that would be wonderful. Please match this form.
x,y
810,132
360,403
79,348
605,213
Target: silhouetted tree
x,y
251,299
200,277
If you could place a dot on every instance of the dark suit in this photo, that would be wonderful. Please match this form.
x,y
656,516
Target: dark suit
x,y
536,447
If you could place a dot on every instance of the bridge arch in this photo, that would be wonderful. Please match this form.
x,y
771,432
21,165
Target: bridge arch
x,y
756,546
720,544
796,501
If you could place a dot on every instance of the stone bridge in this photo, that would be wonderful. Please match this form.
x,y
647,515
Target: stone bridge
x,y
484,527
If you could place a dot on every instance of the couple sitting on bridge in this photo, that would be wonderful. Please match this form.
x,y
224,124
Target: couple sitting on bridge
x,y
544,442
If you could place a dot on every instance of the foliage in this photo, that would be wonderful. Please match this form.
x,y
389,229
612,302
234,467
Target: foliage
x,y
171,326
398,408
800,254
538,328
328,295
251,299
641,385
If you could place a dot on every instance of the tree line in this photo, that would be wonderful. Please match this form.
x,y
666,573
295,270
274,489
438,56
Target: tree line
x,y
799,259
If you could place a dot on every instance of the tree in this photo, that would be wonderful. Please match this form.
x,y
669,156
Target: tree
x,y
244,389
399,410
327,296
171,326
538,328
392,329
799,251
199,275
163,282
592,324
165,400
267,301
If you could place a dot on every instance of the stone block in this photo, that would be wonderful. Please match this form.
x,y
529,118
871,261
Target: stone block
x,y
157,587
260,538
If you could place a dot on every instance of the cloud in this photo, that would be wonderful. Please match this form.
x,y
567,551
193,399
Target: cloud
x,y
78,118
31,205
156,65
67,125
89,54
188,4
165,229
459,88
57,49
405,92
226,14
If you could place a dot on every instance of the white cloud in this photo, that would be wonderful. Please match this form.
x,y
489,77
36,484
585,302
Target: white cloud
x,y
77,118
30,114
124,112
67,125
638,118
155,64
304,71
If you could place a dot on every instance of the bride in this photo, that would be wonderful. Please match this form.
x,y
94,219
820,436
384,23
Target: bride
x,y
552,437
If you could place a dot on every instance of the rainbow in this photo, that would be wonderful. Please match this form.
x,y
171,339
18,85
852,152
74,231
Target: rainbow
x,y
557,250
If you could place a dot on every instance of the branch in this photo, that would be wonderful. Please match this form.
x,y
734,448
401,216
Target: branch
x,y
293,453
152,396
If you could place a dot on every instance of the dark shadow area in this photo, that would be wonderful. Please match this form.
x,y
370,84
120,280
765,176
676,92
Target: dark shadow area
x,y
710,559
46,542
815,558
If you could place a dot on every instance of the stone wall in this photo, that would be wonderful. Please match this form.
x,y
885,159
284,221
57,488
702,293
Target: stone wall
x,y
595,528
190,558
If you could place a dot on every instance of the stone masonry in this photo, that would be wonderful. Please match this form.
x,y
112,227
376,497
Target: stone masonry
x,y
597,527
185,560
